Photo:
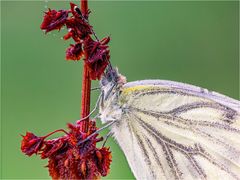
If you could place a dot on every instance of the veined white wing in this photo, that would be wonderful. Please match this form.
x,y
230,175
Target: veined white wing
x,y
173,130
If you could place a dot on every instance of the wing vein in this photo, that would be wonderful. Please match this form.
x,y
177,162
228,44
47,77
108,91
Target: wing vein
x,y
154,154
169,156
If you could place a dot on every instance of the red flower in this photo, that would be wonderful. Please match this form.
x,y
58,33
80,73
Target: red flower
x,y
76,12
78,28
72,161
54,20
52,146
67,159
75,155
74,52
104,159
31,144
97,56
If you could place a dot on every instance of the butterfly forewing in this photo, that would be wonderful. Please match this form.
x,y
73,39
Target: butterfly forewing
x,y
177,131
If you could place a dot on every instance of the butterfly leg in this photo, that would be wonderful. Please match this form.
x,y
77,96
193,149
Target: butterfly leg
x,y
97,131
106,138
95,88
95,117
94,109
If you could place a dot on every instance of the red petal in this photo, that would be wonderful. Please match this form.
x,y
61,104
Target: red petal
x,y
52,146
54,20
80,27
97,56
76,14
31,144
68,35
73,7
97,68
106,161
74,52
105,40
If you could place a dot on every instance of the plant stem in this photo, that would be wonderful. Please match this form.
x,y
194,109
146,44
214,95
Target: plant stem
x,y
86,82
59,130
86,88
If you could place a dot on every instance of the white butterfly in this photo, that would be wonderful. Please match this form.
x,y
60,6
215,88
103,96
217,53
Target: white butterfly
x,y
171,130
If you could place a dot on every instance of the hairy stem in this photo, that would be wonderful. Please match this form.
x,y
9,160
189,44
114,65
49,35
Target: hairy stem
x,y
86,83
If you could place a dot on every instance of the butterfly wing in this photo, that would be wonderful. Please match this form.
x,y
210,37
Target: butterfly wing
x,y
172,130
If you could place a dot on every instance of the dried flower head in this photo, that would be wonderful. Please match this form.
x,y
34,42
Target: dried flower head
x,y
96,52
75,155
67,159
97,56
54,20
77,24
74,52
31,144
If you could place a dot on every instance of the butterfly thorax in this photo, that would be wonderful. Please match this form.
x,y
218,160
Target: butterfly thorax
x,y
111,85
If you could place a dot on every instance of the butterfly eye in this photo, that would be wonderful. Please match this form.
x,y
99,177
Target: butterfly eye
x,y
103,81
111,76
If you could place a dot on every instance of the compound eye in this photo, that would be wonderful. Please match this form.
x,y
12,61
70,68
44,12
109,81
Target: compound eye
x,y
104,81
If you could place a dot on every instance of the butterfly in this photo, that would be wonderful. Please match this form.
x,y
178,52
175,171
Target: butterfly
x,y
172,130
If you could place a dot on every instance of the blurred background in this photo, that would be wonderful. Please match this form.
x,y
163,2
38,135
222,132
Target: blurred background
x,y
192,42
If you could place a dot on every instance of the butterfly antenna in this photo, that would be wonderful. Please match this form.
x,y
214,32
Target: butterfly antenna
x,y
96,132
110,65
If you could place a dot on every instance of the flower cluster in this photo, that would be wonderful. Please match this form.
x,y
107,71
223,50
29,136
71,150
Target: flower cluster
x,y
74,155
67,158
97,55
96,52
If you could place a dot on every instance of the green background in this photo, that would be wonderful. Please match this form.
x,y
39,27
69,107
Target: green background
x,y
192,42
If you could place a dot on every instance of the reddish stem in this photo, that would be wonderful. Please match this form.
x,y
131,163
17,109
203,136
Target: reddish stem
x,y
86,89
86,82
59,130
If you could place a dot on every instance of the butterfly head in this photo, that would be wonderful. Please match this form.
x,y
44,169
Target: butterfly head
x,y
112,78
111,85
